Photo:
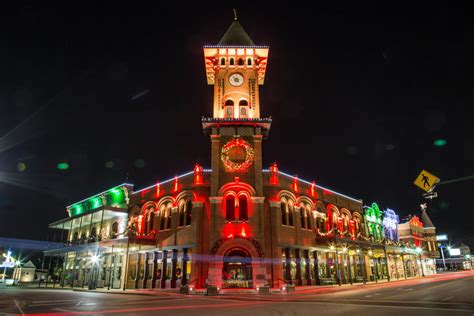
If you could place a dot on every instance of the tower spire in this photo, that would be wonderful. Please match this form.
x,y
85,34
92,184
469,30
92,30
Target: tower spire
x,y
235,14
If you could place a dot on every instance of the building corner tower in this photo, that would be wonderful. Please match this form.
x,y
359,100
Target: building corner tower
x,y
236,68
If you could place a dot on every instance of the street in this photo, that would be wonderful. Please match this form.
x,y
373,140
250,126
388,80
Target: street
x,y
442,294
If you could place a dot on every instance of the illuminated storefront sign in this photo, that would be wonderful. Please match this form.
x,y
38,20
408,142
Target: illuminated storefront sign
x,y
390,224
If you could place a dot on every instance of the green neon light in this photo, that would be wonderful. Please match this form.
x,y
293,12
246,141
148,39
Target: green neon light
x,y
440,142
63,166
114,197
95,202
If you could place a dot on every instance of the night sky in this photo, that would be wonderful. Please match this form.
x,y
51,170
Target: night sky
x,y
357,95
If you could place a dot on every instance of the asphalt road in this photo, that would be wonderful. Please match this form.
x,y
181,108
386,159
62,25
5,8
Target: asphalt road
x,y
447,294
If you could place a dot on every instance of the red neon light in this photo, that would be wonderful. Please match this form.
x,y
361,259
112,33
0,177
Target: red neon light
x,y
175,184
274,168
313,189
294,186
140,224
157,191
198,178
229,230
352,229
274,174
244,230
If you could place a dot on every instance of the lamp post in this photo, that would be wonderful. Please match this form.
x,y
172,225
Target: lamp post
x,y
442,256
419,250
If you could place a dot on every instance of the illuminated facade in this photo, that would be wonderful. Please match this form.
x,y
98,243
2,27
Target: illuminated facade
x,y
235,225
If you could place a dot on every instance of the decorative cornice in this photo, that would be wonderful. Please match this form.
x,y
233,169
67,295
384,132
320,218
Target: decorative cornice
x,y
258,199
215,199
197,203
275,203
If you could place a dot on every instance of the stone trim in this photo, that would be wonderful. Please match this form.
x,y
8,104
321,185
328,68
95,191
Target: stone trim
x,y
275,203
258,199
215,199
197,203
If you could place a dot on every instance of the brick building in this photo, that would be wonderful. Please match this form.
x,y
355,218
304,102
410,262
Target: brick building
x,y
235,225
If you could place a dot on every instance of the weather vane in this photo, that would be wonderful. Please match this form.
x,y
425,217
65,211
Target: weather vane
x,y
235,14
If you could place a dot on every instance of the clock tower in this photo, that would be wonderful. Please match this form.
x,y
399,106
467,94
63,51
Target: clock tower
x,y
235,67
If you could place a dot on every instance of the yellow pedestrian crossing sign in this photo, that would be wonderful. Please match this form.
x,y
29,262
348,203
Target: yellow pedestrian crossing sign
x,y
426,181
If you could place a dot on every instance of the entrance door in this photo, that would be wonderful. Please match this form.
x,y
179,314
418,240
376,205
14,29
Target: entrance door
x,y
237,270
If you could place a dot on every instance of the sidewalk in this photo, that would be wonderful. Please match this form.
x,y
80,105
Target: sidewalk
x,y
298,289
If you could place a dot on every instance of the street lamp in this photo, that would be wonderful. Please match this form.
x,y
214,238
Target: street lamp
x,y
419,251
94,260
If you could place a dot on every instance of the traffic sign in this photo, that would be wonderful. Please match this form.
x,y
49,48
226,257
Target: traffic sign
x,y
426,181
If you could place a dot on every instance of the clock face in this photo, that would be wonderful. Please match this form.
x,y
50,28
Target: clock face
x,y
236,80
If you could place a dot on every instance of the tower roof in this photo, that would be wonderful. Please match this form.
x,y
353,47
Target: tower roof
x,y
426,220
236,36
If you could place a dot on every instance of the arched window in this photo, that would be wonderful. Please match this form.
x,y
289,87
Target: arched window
x,y
230,208
222,61
189,209
114,230
241,61
291,209
231,61
243,111
181,215
302,216
249,61
150,224
283,213
168,217
243,103
243,208
309,218
229,109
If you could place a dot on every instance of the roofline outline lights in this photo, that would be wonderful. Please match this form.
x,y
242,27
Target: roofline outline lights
x,y
170,179
318,186
98,194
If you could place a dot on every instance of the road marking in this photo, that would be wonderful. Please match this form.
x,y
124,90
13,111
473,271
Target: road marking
x,y
52,301
447,298
18,306
397,307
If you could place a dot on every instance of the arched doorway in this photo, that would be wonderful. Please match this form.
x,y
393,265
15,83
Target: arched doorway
x,y
237,269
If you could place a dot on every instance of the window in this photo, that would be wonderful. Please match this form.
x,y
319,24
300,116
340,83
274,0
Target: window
x,y
151,218
114,230
230,208
243,208
181,215
283,213
165,217
241,62
243,103
222,61
302,216
168,218
309,218
290,214
249,61
189,209
229,109
231,62
243,112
